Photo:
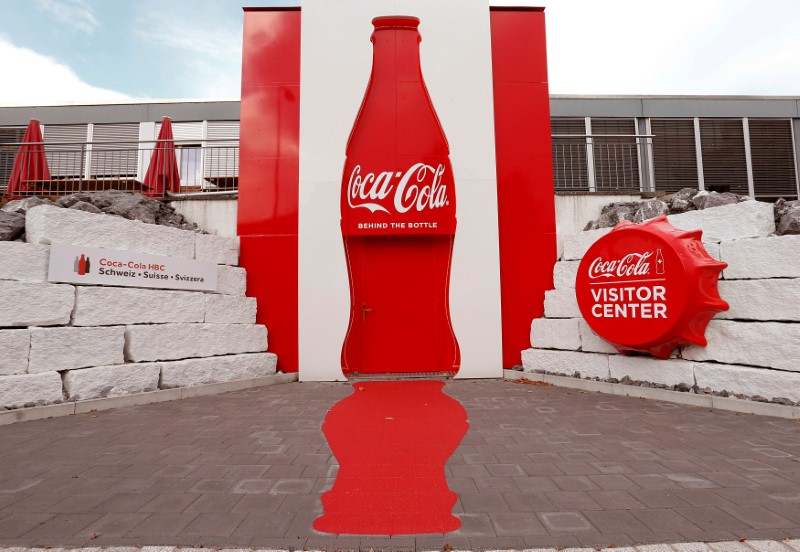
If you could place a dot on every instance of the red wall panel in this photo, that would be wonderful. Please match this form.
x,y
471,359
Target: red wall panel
x,y
525,198
269,172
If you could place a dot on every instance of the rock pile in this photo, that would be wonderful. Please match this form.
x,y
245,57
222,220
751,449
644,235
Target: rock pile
x,y
127,205
787,213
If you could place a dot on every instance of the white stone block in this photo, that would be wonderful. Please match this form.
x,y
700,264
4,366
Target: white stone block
x,y
653,370
564,274
566,362
35,304
576,245
218,249
67,348
555,333
231,280
198,371
713,249
14,348
773,257
561,303
178,341
749,219
593,343
777,299
230,309
748,381
46,224
769,344
106,306
111,381
30,390
24,262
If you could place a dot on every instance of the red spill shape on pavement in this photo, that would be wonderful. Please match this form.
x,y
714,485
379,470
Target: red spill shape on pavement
x,y
391,439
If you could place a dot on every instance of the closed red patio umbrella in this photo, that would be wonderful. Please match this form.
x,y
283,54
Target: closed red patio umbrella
x,y
30,162
162,174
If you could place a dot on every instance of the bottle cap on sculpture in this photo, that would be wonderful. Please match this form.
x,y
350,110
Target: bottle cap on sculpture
x,y
649,287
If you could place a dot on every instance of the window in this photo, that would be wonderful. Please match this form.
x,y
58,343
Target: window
x,y
65,149
674,154
724,159
772,155
114,150
570,170
616,158
9,136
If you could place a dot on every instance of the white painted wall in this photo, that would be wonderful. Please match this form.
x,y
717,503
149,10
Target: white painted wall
x,y
574,211
336,58
216,216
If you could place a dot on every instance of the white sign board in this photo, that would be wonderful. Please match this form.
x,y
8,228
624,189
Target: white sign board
x,y
75,264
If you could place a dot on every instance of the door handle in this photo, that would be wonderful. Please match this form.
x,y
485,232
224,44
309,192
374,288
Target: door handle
x,y
364,311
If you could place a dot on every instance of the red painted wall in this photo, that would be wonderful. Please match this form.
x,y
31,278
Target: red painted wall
x,y
269,172
525,198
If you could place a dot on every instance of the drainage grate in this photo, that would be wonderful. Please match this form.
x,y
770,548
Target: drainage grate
x,y
401,376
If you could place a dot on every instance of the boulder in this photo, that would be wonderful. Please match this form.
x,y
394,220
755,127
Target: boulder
x,y
556,333
613,214
108,306
218,249
35,304
21,206
650,209
45,225
30,390
653,370
67,348
15,345
747,219
706,200
199,371
12,225
682,200
565,362
85,206
145,343
128,205
789,221
24,262
771,257
111,381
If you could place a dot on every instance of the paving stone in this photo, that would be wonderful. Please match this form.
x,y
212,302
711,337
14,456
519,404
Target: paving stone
x,y
768,546
572,500
729,547
691,547
758,517
710,518
211,445
483,502
615,521
217,524
474,525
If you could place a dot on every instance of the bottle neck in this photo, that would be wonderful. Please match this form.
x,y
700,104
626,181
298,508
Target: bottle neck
x,y
396,56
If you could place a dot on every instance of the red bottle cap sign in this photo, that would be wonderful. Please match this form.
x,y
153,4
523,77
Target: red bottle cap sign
x,y
649,287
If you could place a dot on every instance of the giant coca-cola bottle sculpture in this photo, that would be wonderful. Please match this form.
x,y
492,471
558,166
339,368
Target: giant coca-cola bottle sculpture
x,y
398,208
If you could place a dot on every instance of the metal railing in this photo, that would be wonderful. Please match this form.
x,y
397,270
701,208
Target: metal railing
x,y
601,162
204,167
581,163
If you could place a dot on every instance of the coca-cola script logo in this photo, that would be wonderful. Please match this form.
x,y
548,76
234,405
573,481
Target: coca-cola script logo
x,y
420,188
632,264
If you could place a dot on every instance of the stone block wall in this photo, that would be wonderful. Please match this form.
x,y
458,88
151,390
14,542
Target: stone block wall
x,y
62,342
754,348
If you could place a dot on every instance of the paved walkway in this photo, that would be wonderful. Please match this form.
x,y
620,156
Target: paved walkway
x,y
539,467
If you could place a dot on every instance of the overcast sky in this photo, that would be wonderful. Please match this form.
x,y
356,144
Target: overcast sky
x,y
57,51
